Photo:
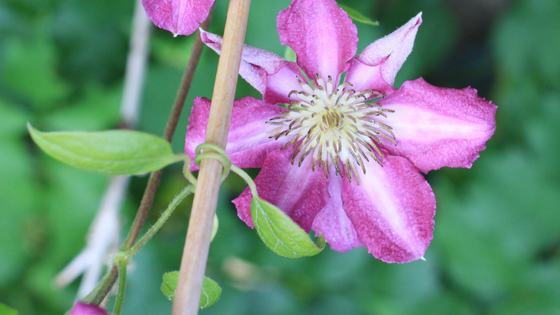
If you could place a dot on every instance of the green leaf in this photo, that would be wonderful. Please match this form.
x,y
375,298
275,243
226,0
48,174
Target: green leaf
x,y
211,291
114,152
280,233
4,310
215,227
290,54
169,284
357,16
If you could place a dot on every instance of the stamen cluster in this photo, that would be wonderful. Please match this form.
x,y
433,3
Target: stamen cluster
x,y
335,125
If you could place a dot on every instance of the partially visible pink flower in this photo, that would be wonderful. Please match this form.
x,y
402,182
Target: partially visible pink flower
x,y
344,158
180,17
87,309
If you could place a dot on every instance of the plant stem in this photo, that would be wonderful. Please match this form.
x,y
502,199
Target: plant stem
x,y
195,253
122,286
109,280
103,287
123,258
247,179
162,219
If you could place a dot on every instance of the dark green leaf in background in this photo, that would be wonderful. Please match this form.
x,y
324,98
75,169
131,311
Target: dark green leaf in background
x,y
13,119
4,310
30,72
280,233
97,109
115,152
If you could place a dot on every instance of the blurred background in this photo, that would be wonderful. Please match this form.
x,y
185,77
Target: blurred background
x,y
496,247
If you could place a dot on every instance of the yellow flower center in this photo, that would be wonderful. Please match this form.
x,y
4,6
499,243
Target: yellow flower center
x,y
334,124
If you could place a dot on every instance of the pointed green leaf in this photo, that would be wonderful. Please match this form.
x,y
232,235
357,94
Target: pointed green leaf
x,y
215,227
280,233
211,291
4,310
357,16
290,54
114,152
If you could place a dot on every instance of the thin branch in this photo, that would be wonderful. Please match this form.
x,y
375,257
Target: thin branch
x,y
170,128
195,253
151,188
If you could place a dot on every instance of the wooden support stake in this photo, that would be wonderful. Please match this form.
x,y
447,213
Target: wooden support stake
x,y
195,253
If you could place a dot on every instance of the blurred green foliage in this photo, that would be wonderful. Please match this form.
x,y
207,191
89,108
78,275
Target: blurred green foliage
x,y
496,247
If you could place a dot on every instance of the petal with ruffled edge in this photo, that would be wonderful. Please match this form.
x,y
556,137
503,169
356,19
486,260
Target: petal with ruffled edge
x,y
87,309
249,135
333,223
180,17
436,127
392,210
298,191
321,34
267,72
377,65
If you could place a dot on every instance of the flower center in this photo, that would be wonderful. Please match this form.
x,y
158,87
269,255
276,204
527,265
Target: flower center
x,y
334,124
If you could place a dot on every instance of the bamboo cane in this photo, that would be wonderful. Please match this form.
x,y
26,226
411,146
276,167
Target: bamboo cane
x,y
195,253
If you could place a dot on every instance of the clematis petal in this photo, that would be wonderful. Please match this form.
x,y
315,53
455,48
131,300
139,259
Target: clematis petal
x,y
267,72
87,309
180,17
248,140
392,210
377,65
436,127
298,191
333,223
321,34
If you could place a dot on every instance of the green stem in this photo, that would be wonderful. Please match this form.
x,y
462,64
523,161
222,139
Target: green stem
x,y
105,285
122,263
187,170
218,154
162,219
247,179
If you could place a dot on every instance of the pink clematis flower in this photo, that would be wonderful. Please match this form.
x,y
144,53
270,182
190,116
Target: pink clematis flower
x,y
180,17
344,159
87,309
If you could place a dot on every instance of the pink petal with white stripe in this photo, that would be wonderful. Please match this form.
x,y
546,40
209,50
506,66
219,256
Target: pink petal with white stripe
x,y
248,139
180,17
436,127
333,223
392,210
298,191
267,72
377,65
321,34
